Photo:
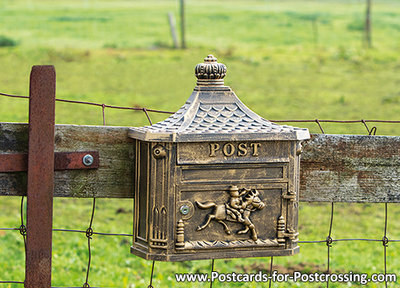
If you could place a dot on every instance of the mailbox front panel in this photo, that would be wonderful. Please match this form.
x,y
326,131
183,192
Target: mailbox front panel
x,y
241,204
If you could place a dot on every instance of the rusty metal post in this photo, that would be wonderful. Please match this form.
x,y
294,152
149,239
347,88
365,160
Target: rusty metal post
x,y
40,177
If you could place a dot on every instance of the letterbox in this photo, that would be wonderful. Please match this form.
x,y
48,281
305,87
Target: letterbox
x,y
215,180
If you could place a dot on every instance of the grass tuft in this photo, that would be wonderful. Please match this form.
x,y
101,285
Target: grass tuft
x,y
356,25
7,41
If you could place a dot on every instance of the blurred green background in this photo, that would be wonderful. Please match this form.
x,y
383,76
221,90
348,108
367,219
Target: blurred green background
x,y
286,60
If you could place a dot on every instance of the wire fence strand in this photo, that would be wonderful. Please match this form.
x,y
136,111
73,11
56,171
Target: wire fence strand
x,y
385,242
95,104
151,275
270,271
89,234
212,270
329,244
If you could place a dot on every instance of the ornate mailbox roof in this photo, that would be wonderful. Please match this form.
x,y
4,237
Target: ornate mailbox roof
x,y
214,113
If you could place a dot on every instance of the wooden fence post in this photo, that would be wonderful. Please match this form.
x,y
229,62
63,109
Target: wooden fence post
x,y
367,28
40,177
172,26
183,35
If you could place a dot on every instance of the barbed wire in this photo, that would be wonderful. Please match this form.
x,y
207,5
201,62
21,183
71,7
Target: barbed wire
x,y
145,110
89,232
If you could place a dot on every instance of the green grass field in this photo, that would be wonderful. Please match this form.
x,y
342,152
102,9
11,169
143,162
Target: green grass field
x,y
119,52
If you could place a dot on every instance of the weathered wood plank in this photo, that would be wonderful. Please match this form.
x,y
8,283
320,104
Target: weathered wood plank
x,y
114,178
350,168
13,139
340,168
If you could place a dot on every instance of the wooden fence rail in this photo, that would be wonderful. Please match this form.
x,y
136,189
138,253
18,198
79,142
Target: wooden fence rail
x,y
338,168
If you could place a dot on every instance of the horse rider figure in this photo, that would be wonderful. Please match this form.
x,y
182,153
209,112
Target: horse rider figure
x,y
238,209
235,206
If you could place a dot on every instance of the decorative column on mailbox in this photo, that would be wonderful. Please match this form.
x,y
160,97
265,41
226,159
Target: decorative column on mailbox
x,y
215,180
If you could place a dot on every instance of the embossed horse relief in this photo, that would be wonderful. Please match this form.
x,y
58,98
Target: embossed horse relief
x,y
238,209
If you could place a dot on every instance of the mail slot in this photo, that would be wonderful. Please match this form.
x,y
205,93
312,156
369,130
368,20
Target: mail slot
x,y
215,180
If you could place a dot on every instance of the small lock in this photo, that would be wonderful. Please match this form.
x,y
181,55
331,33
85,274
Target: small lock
x,y
159,151
184,209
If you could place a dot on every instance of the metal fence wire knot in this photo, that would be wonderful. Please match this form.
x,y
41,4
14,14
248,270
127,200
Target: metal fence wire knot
x,y
329,241
22,230
89,232
371,131
385,241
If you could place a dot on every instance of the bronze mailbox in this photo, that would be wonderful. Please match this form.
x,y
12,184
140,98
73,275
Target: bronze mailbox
x,y
215,180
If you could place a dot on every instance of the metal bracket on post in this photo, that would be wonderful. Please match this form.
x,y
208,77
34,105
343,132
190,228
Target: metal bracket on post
x,y
40,177
83,160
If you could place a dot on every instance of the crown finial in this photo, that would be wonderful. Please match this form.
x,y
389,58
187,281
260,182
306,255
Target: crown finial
x,y
210,73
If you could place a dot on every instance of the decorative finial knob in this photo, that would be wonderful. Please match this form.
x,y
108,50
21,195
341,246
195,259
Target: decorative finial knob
x,y
210,72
